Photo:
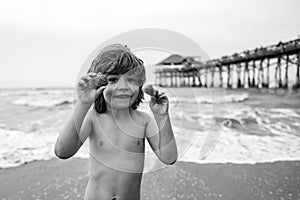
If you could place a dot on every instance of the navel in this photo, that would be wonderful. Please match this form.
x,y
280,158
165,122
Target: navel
x,y
138,142
114,198
101,143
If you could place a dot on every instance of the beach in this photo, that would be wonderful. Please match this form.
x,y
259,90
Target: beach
x,y
232,144
67,179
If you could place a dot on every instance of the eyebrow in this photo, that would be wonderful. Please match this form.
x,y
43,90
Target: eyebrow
x,y
113,75
134,77
127,76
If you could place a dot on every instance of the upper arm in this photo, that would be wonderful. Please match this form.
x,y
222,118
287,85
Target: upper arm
x,y
71,139
86,128
162,140
152,132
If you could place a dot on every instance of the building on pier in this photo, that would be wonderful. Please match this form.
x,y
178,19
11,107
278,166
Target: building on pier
x,y
177,71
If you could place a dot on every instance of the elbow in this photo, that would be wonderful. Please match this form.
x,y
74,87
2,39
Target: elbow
x,y
174,160
171,160
59,153
168,157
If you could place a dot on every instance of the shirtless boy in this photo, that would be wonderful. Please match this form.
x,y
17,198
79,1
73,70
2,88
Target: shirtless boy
x,y
115,128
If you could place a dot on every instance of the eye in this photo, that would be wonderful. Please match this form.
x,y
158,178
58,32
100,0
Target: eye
x,y
112,79
132,80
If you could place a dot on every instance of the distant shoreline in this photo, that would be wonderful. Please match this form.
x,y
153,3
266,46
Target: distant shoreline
x,y
36,88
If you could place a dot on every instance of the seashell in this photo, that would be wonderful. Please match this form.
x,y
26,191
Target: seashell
x,y
148,89
99,80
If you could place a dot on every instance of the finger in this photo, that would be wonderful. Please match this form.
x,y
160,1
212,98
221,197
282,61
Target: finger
x,y
82,83
92,74
163,97
86,77
161,94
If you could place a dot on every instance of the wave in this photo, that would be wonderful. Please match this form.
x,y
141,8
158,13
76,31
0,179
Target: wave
x,y
39,97
34,92
235,147
231,98
20,147
43,101
263,122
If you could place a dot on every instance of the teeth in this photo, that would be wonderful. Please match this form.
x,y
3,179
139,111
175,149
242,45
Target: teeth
x,y
123,96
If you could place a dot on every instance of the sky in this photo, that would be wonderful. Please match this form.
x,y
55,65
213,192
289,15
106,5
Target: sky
x,y
45,43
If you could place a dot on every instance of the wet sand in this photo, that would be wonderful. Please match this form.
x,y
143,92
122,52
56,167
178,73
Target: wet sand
x,y
67,179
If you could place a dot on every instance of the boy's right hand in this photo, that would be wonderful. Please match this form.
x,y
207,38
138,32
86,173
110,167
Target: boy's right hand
x,y
86,88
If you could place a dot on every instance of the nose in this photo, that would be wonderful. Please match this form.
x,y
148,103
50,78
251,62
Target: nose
x,y
122,84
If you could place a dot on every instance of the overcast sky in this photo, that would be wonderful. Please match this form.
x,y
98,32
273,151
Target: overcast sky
x,y
45,43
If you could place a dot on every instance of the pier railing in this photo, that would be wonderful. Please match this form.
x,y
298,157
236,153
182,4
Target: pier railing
x,y
275,66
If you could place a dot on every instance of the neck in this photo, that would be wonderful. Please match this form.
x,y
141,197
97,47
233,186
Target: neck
x,y
119,113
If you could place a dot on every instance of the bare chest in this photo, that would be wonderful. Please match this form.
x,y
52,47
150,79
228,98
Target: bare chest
x,y
119,136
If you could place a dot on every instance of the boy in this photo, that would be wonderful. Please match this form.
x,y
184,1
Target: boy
x,y
116,129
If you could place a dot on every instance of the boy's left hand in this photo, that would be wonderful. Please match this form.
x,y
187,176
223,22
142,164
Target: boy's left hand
x,y
159,104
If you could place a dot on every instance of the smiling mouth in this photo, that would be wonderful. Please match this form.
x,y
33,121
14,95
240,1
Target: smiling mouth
x,y
123,96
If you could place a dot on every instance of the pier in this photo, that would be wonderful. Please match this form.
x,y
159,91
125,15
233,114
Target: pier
x,y
273,66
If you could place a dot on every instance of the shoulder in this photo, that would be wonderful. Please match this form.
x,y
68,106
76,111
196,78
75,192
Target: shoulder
x,y
142,116
93,114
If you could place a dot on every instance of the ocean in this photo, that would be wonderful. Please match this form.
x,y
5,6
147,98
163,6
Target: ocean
x,y
211,125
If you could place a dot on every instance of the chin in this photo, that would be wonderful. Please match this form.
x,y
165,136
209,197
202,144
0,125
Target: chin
x,y
122,106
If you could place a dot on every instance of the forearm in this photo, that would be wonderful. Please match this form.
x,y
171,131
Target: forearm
x,y
68,140
167,148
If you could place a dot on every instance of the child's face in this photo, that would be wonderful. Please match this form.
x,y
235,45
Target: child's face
x,y
121,90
